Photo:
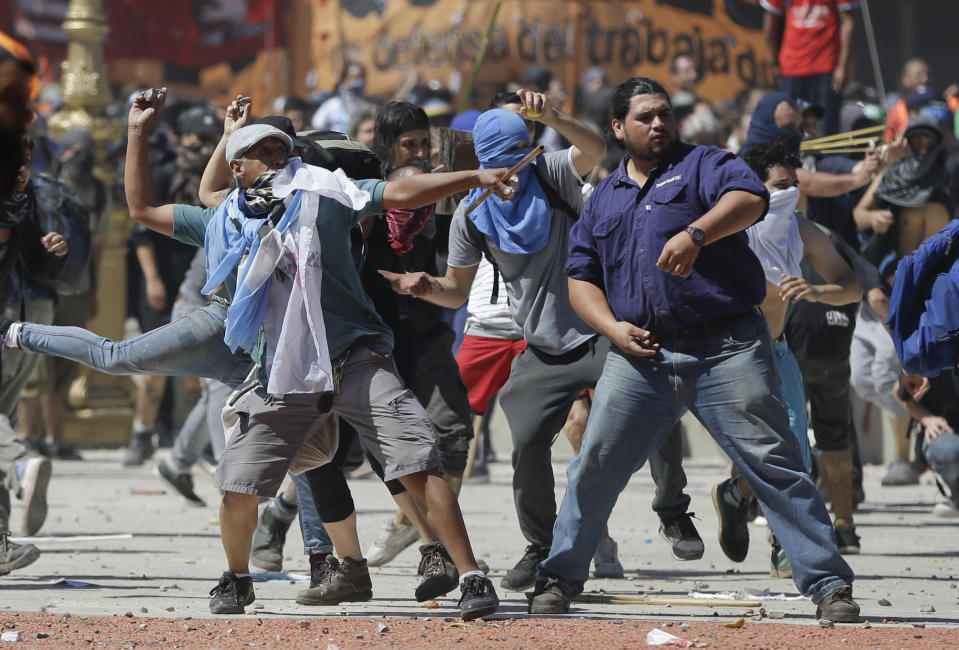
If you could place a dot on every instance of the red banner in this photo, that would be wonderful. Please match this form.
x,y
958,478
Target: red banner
x,y
187,33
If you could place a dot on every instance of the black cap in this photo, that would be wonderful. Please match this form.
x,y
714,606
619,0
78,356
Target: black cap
x,y
199,120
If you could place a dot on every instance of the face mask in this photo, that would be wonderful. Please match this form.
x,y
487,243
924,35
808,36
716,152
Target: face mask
x,y
782,203
404,225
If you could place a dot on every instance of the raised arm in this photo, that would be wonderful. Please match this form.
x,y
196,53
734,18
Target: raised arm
x,y
422,189
841,288
217,180
137,180
588,146
826,185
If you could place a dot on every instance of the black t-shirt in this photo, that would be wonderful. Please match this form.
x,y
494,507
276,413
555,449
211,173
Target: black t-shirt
x,y
823,332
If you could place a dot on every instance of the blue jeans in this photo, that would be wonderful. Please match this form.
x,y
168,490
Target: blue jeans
x,y
191,346
315,537
729,381
942,454
794,397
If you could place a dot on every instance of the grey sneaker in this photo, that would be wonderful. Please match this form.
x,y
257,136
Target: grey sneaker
x,y
683,538
838,606
346,581
900,472
606,560
140,449
15,556
268,541
182,483
35,479
439,573
523,575
548,598
391,542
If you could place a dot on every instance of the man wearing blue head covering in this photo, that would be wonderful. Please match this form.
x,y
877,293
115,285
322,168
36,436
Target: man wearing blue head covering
x,y
527,238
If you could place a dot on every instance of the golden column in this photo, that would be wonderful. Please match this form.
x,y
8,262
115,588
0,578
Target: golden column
x,y
102,405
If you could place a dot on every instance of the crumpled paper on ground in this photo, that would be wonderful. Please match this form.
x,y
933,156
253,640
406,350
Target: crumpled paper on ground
x,y
657,637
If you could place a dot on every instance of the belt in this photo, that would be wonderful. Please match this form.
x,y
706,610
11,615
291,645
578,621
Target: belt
x,y
715,326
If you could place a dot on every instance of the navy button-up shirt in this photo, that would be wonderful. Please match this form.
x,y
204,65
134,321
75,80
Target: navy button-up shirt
x,y
623,228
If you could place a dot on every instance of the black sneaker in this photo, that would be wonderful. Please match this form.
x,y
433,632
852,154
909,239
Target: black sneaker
x,y
838,606
479,598
523,575
139,450
846,539
318,571
268,540
548,598
681,535
439,573
231,594
15,556
733,529
182,483
346,581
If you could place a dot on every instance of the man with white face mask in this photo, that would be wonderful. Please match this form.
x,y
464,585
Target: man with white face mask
x,y
780,241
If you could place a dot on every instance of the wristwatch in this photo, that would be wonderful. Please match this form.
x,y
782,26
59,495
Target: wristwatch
x,y
699,237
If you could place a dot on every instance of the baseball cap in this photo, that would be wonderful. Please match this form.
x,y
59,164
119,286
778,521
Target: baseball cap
x,y
199,120
247,136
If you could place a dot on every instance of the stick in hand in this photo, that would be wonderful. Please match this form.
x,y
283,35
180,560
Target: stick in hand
x,y
527,159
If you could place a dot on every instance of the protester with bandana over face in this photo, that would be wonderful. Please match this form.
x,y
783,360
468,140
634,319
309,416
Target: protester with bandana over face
x,y
45,395
27,254
318,353
527,240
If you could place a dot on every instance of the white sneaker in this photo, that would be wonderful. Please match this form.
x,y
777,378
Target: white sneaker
x,y
606,559
391,542
36,477
946,508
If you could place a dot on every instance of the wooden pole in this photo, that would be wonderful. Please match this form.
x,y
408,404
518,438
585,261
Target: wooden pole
x,y
527,159
676,601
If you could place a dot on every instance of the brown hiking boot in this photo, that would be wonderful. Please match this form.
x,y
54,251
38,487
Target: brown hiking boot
x,y
346,581
838,606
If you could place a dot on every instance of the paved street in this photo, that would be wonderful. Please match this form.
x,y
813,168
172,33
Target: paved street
x,y
163,556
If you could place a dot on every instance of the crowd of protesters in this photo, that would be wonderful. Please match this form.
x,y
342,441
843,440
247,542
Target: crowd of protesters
x,y
771,264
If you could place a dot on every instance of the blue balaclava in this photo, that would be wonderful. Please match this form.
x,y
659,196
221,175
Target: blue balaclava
x,y
522,224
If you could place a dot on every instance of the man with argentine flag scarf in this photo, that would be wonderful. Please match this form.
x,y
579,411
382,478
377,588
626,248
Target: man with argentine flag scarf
x,y
300,288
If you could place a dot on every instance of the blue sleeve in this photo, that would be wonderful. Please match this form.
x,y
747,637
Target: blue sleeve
x,y
721,172
189,223
583,262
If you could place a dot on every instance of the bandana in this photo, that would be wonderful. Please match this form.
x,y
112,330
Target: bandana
x,y
910,182
776,240
404,225
520,225
18,207
258,201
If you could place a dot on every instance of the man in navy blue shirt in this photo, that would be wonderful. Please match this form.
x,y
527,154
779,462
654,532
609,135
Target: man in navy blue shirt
x,y
660,265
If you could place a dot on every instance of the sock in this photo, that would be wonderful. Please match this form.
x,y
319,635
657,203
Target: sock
x,y
140,429
19,467
355,558
316,558
283,510
242,575
470,574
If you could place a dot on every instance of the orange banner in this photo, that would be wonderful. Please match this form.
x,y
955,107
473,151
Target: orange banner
x,y
440,39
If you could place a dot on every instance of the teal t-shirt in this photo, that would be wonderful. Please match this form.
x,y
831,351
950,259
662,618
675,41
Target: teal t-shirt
x,y
347,311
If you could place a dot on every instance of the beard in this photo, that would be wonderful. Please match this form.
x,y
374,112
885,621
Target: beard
x,y
652,149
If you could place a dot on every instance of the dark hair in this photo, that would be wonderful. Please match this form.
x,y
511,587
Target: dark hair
x,y
423,166
393,120
294,103
624,92
27,144
762,157
504,97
